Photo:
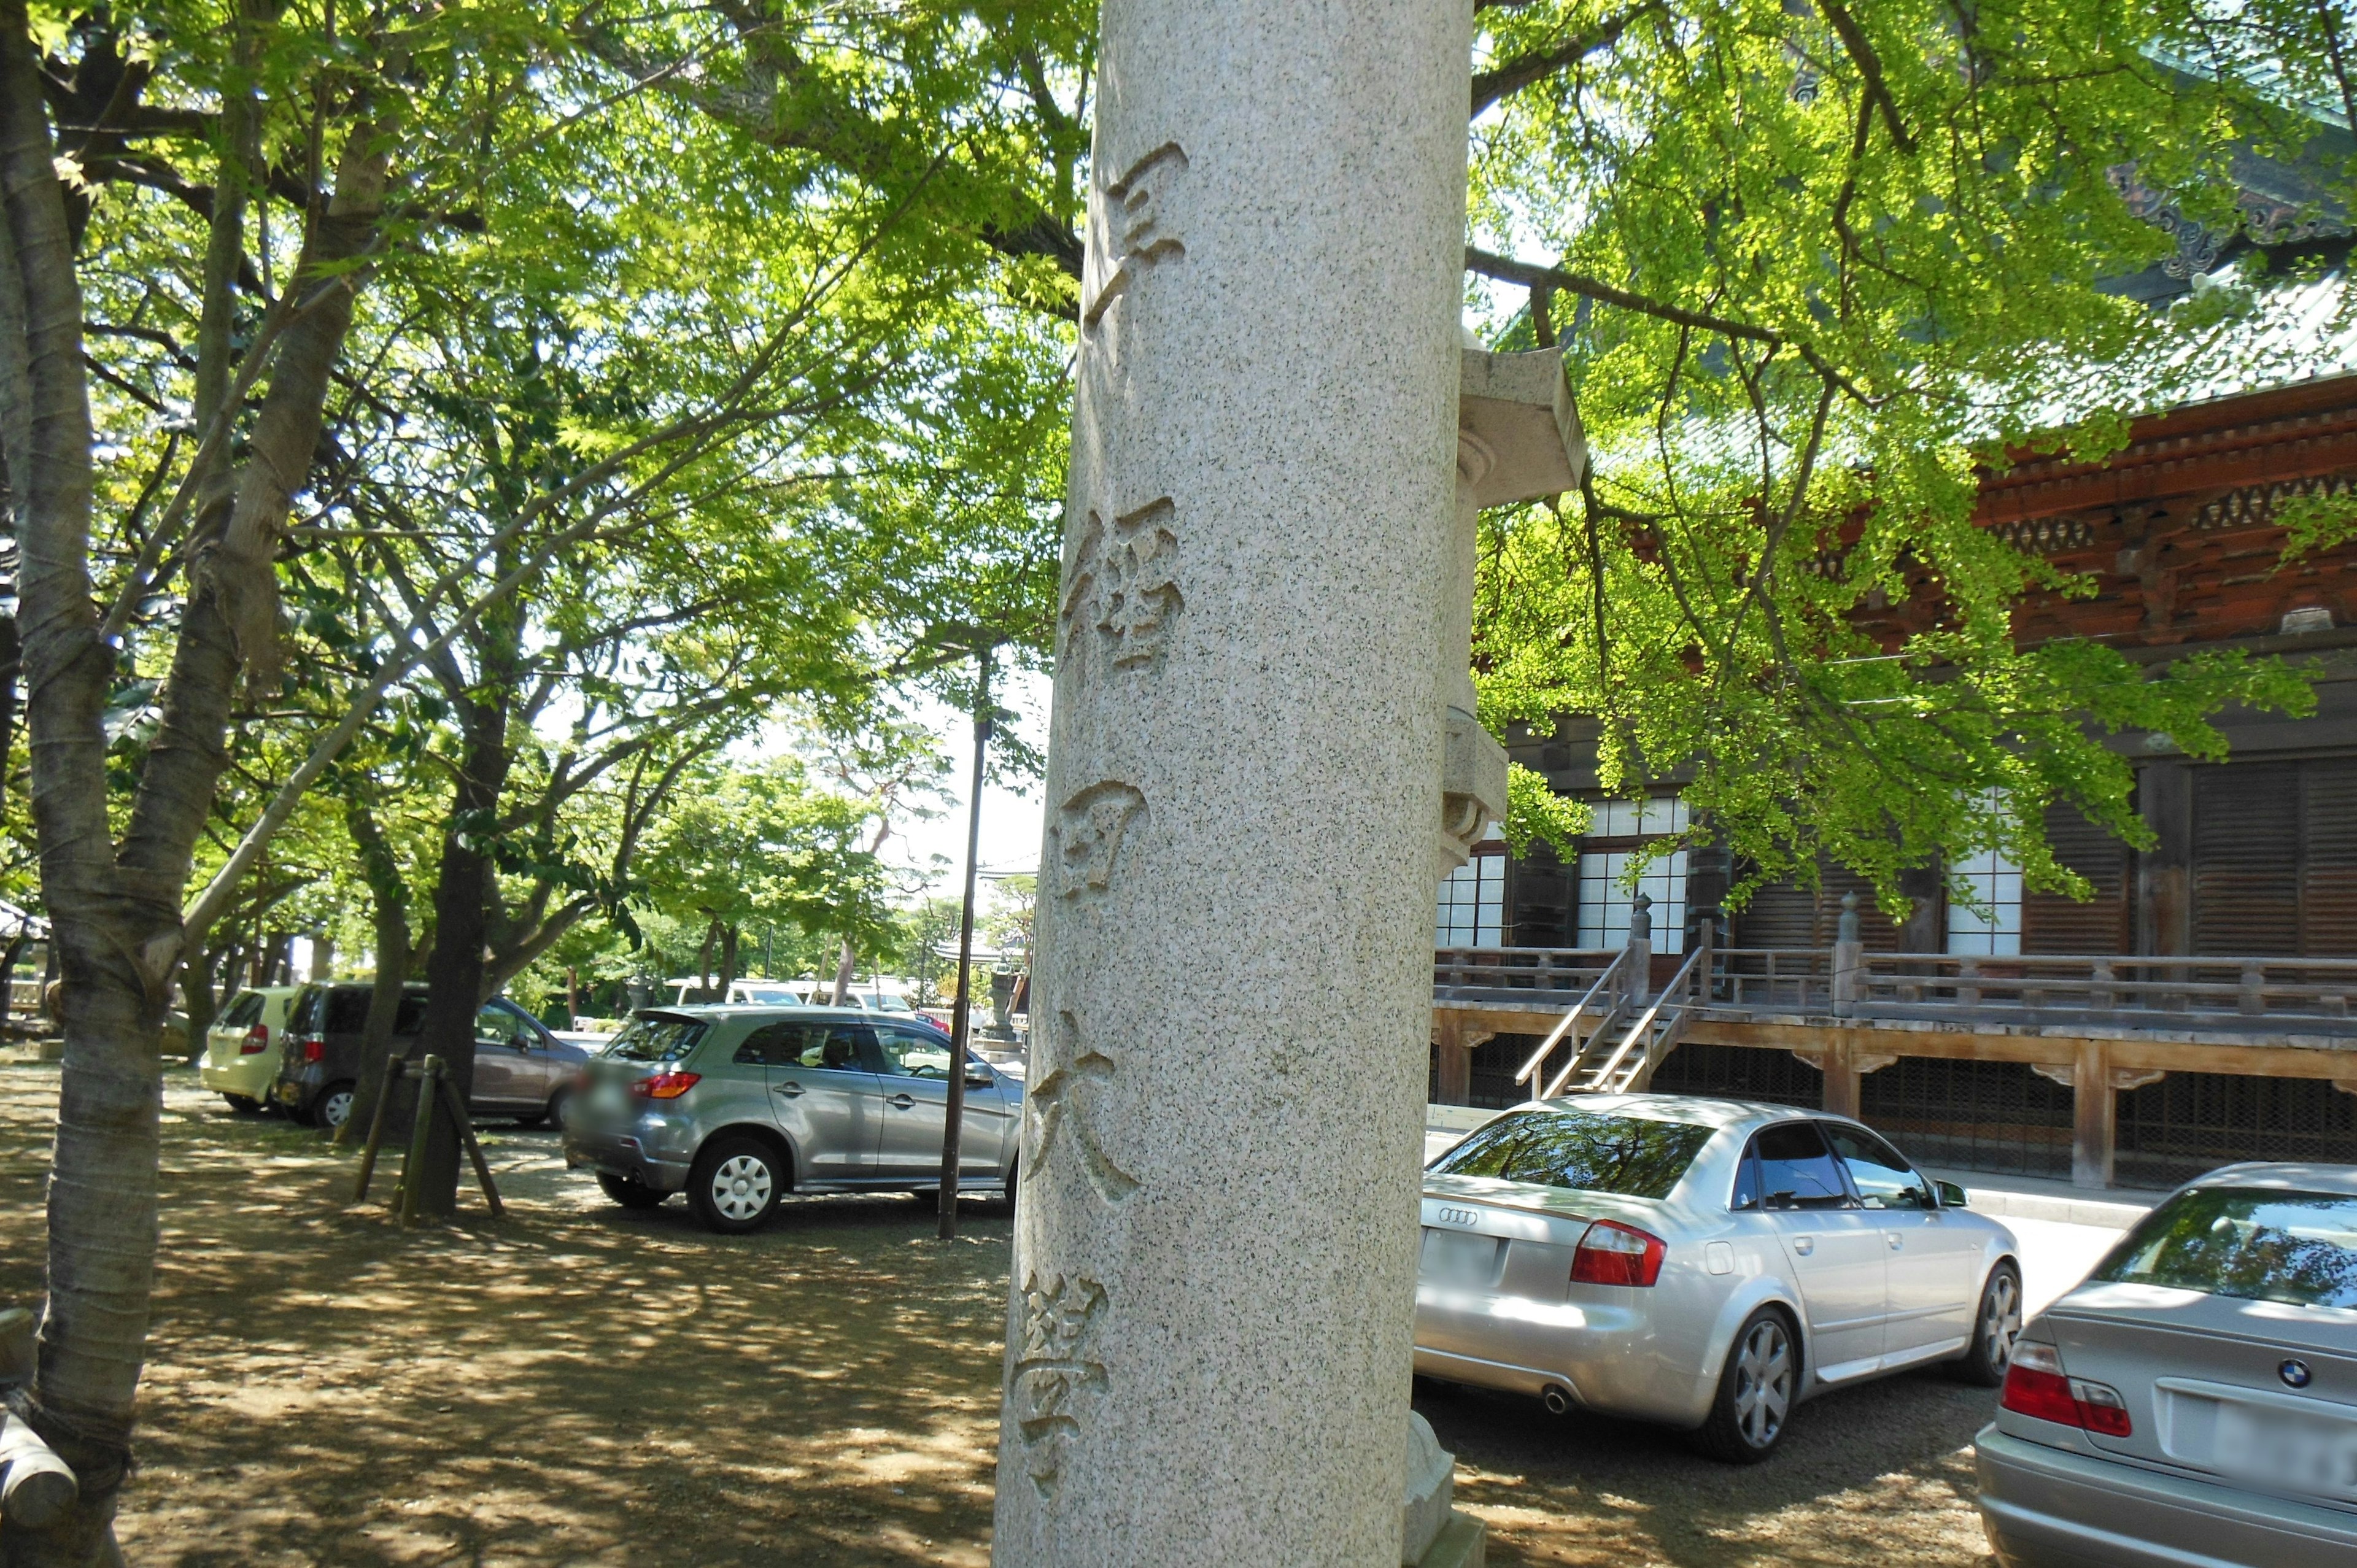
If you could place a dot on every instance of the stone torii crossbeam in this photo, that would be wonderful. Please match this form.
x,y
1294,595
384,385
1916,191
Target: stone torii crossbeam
x,y
1263,749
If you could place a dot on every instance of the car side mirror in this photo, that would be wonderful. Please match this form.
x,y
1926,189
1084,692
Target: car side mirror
x,y
1952,1196
979,1076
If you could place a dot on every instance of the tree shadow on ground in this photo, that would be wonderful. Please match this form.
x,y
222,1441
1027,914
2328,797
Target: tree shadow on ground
x,y
582,1384
575,1384
1864,1476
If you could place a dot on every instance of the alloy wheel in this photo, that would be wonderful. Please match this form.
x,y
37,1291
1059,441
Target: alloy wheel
x,y
1763,1383
740,1186
2001,1320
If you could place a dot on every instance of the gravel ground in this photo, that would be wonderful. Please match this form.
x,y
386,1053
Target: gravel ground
x,y
580,1384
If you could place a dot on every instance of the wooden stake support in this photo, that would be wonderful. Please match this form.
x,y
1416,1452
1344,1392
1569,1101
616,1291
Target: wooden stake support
x,y
435,1094
393,1069
466,1125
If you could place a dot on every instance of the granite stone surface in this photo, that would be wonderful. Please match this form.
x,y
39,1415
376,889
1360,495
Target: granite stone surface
x,y
1210,1329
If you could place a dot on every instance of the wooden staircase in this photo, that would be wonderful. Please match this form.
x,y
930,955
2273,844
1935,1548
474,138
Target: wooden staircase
x,y
1610,1051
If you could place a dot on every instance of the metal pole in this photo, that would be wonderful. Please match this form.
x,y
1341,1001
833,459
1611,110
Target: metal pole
x,y
962,1017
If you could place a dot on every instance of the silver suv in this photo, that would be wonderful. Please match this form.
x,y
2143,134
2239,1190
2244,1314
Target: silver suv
x,y
738,1106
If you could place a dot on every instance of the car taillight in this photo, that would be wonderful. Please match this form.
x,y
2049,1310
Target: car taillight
x,y
2036,1385
1611,1253
314,1049
257,1040
666,1085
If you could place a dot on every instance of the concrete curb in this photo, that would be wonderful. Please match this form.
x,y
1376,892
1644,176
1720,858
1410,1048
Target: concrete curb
x,y
2116,1211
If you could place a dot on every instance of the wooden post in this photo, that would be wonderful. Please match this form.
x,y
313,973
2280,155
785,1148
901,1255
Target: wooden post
x,y
2164,872
1452,1059
466,1125
1843,1091
393,1066
2094,1116
421,1127
1849,958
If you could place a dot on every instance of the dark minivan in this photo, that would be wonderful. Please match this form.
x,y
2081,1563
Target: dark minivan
x,y
520,1069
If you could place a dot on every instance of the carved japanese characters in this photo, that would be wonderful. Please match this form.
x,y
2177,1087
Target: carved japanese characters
x,y
1055,1377
1132,228
1087,834
1057,1110
1123,592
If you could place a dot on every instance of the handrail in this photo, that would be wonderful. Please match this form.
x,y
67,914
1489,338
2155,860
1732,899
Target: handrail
x,y
1682,981
1530,1068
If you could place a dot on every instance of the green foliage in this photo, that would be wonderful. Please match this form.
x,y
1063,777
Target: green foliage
x,y
1534,811
1816,268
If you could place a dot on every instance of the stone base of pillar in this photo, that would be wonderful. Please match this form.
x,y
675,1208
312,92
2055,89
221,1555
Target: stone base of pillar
x,y
1462,1544
1433,1534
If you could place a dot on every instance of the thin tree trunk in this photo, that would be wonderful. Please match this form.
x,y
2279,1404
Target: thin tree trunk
x,y
843,973
703,957
727,961
389,898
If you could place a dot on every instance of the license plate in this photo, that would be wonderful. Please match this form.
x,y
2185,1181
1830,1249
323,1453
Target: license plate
x,y
1453,1257
2285,1452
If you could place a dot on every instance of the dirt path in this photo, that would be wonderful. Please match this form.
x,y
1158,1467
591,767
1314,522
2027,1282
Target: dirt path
x,y
582,1384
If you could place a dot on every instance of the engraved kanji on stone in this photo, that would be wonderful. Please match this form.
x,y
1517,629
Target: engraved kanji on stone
x,y
1132,227
1124,595
1056,1378
1057,1108
1089,831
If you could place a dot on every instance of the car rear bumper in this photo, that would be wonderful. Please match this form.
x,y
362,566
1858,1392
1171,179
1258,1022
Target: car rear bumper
x,y
249,1076
1607,1357
622,1155
2048,1508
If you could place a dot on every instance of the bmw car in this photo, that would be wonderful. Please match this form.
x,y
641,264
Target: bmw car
x,y
2195,1400
1708,1265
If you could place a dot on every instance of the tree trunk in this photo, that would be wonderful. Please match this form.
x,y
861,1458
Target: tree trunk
x,y
843,973
115,936
727,961
703,957
389,898
454,970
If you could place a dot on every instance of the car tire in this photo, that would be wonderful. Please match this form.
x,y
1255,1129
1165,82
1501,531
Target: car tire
x,y
629,1192
736,1185
243,1104
1757,1392
560,1106
332,1107
1011,1172
1996,1325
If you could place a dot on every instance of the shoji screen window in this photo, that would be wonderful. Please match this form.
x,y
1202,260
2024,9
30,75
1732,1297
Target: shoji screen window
x,y
1618,836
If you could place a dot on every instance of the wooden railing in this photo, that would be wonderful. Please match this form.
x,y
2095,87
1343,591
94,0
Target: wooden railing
x,y
2212,995
1558,976
2274,995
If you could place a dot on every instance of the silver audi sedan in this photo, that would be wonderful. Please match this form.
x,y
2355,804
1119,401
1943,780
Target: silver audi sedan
x,y
2194,1402
1704,1264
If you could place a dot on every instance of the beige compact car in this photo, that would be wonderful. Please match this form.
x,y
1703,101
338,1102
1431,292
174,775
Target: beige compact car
x,y
2194,1402
241,1048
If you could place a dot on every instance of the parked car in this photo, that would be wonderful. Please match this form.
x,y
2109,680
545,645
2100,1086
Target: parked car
x,y
1704,1264
867,995
520,1069
241,1048
2195,1400
738,1106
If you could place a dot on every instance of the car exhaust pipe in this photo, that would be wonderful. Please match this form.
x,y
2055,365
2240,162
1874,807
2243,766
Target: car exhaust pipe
x,y
1557,1398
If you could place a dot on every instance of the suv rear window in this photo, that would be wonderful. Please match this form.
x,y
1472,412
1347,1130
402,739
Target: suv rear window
x,y
657,1039
2252,1243
1580,1151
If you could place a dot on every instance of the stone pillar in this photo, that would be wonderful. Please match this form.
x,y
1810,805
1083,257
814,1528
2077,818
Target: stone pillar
x,y
1213,1274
